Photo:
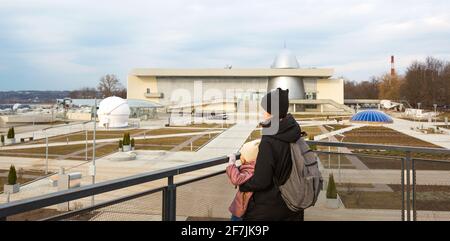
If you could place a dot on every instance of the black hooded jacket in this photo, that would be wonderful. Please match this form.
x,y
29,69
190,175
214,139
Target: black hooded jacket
x,y
273,165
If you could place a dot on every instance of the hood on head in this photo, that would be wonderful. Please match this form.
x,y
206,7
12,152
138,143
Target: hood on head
x,y
288,129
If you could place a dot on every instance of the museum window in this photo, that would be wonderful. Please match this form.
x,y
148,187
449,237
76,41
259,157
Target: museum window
x,y
310,95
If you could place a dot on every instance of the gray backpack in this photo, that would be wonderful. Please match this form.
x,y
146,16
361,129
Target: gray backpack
x,y
305,182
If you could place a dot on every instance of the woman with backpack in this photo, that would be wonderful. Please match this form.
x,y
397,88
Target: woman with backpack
x,y
274,163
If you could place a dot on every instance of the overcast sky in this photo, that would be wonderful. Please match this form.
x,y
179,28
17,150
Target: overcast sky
x,y
64,45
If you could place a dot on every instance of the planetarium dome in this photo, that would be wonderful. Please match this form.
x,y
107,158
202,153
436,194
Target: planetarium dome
x,y
372,116
113,112
285,60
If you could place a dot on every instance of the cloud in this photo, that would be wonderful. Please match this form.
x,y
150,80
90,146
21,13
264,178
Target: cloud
x,y
78,41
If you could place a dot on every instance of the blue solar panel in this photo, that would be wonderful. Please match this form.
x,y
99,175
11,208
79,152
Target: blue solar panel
x,y
371,116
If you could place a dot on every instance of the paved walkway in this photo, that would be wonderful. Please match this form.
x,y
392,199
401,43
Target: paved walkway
x,y
229,141
333,133
404,126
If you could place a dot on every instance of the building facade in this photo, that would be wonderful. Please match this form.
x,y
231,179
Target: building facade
x,y
171,87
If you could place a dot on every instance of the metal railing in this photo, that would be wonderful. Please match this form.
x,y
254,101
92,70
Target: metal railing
x,y
169,202
169,191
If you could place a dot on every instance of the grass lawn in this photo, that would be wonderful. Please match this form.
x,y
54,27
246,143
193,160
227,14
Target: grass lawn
x,y
81,136
333,162
428,198
371,200
444,126
213,125
443,115
322,116
46,213
23,176
169,143
103,149
57,152
385,136
256,134
310,130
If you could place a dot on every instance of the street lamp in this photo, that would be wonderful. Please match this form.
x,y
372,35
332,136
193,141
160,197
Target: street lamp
x,y
46,149
418,106
86,142
339,155
92,167
435,113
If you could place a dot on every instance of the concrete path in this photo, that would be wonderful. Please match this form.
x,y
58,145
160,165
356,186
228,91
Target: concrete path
x,y
230,141
404,126
333,133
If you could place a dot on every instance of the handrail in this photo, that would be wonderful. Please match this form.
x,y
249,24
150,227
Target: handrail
x,y
33,203
102,205
381,147
378,156
29,204
127,198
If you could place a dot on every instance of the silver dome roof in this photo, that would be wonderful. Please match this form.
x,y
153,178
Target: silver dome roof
x,y
285,60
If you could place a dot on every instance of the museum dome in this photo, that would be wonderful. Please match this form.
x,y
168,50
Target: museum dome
x,y
285,60
371,116
113,112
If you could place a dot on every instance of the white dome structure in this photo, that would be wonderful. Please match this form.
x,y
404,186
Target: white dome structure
x,y
113,112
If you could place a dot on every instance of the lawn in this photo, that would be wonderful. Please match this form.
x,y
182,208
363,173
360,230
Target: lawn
x,y
81,136
332,161
321,116
212,126
310,130
42,213
444,126
77,152
384,136
23,176
61,152
428,198
172,142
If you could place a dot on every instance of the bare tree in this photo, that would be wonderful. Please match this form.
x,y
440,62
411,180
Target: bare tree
x,y
390,87
83,93
109,85
428,82
361,90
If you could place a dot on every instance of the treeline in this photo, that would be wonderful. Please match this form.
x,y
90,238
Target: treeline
x,y
109,85
426,82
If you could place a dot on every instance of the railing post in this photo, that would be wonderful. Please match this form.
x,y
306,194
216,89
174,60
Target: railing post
x,y
408,186
169,201
403,188
414,189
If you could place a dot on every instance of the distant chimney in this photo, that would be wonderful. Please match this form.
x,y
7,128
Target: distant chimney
x,y
392,66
